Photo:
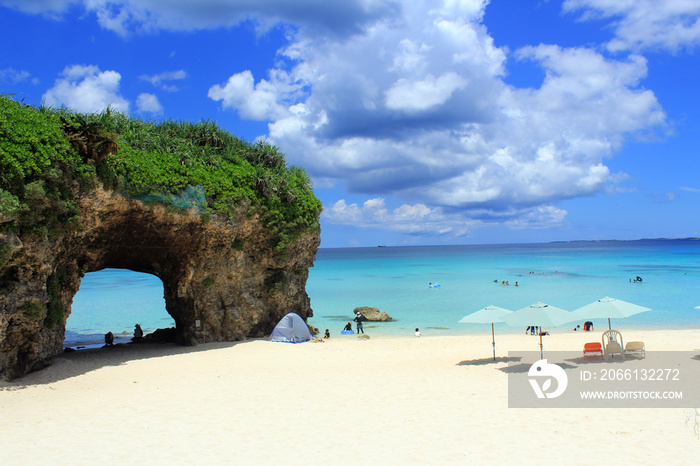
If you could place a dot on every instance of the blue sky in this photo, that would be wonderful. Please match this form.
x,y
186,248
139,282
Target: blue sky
x,y
420,122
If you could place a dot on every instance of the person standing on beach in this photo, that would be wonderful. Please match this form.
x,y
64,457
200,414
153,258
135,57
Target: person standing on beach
x,y
358,319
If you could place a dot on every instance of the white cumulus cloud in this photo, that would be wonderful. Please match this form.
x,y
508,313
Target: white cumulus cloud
x,y
268,99
407,100
126,17
417,109
544,216
13,76
162,80
148,103
422,95
416,219
86,89
646,24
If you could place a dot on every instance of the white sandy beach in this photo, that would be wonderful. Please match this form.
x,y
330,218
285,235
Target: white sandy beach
x,y
429,400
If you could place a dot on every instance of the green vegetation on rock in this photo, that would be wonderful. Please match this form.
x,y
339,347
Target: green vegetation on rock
x,y
47,156
55,312
33,309
207,282
37,170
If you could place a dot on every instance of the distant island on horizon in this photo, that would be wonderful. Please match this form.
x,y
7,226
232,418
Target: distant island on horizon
x,y
689,238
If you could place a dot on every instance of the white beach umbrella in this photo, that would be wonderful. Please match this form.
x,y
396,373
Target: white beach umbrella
x,y
538,314
607,308
487,315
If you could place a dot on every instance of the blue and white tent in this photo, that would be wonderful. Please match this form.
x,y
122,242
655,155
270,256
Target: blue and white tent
x,y
291,329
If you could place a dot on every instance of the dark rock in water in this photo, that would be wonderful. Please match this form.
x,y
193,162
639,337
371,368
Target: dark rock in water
x,y
373,314
162,335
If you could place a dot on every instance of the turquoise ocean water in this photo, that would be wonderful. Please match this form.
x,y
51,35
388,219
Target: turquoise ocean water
x,y
395,280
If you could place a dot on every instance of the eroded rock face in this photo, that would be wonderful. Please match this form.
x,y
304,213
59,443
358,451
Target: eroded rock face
x,y
222,280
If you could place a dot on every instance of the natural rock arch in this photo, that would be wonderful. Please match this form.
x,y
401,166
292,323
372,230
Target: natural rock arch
x,y
222,280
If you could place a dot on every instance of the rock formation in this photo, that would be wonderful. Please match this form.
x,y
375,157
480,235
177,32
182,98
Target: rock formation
x,y
373,314
222,280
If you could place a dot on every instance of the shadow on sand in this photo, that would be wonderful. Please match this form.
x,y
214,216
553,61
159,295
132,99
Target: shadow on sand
x,y
484,361
76,363
525,367
599,359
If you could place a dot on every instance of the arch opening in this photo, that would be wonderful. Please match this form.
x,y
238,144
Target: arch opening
x,y
115,300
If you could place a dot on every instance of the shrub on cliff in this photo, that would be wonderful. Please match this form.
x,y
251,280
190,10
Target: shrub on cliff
x,y
37,170
46,155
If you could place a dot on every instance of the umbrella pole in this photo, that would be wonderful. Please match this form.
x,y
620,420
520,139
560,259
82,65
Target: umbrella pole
x,y
609,327
493,342
541,350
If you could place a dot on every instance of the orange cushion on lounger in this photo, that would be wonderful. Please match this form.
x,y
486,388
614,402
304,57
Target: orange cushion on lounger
x,y
592,348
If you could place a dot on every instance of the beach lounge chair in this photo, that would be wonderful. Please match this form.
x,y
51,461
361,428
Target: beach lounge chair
x,y
612,342
635,347
592,349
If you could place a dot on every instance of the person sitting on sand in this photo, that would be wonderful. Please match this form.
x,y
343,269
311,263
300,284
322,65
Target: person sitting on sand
x,y
348,328
417,332
138,332
328,334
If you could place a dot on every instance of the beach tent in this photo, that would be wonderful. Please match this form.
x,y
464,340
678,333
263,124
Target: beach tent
x,y
291,329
